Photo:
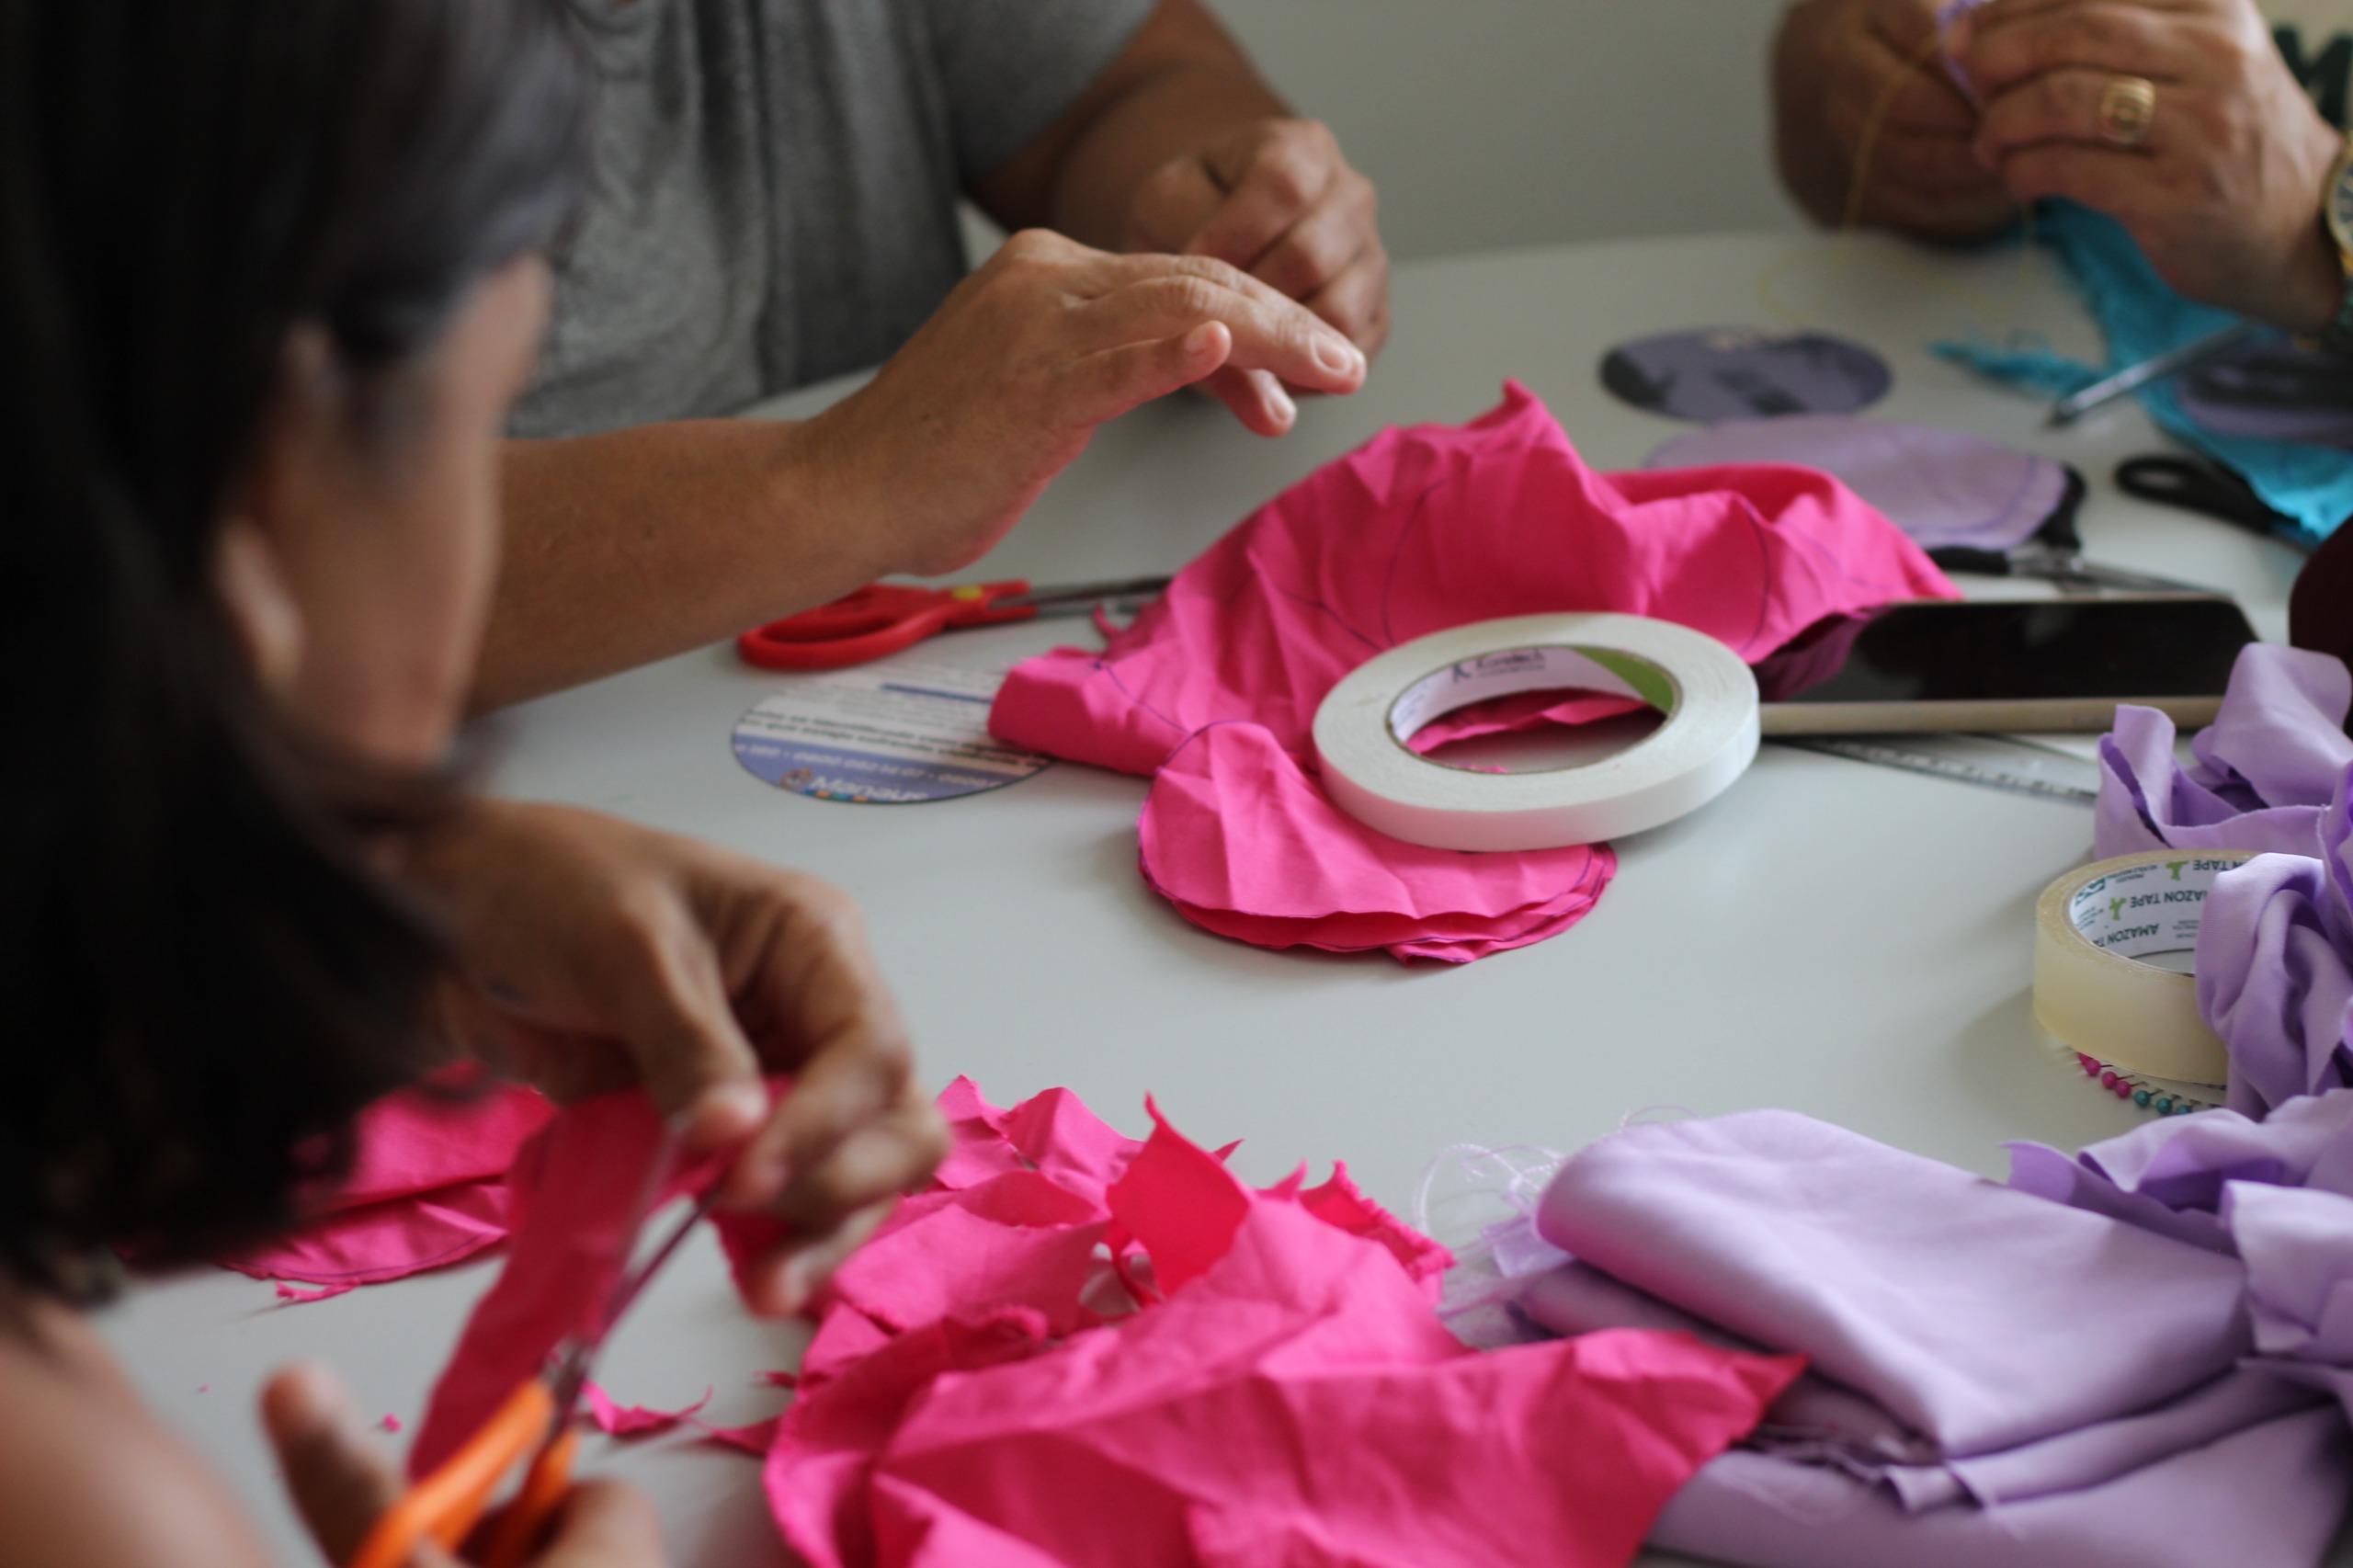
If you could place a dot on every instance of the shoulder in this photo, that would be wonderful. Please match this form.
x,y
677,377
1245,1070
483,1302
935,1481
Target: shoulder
x,y
87,1475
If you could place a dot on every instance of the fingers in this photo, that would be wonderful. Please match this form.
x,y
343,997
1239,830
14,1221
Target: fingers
x,y
2109,40
1275,176
1166,296
666,997
1325,241
2062,105
2109,179
340,1481
1172,206
783,1283
604,1525
1356,300
1256,398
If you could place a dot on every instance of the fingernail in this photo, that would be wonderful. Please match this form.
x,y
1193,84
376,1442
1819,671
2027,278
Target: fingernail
x,y
1285,411
1338,355
733,1110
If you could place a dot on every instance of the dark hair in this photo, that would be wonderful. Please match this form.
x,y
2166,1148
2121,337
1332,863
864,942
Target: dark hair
x,y
201,978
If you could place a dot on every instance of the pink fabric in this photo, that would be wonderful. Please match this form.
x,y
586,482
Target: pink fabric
x,y
637,1420
1076,1348
428,1187
1212,692
1284,1393
574,1189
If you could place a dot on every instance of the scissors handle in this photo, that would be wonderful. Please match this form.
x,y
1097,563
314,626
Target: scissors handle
x,y
522,1529
879,620
447,1504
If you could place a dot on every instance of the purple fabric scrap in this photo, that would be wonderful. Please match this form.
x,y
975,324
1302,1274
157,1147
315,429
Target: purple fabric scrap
x,y
1943,487
2274,967
2265,768
2297,1246
2170,1176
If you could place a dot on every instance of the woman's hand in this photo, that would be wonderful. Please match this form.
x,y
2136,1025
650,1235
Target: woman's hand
x,y
596,954
2224,190
959,433
1835,64
342,1483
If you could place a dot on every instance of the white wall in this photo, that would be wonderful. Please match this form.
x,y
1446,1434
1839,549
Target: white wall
x,y
1507,122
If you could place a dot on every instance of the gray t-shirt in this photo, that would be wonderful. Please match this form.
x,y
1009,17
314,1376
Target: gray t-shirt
x,y
774,199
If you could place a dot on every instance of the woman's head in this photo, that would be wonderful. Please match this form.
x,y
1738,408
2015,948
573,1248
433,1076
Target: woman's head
x,y
268,277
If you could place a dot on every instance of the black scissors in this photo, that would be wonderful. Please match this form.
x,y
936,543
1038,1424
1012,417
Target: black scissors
x,y
2195,486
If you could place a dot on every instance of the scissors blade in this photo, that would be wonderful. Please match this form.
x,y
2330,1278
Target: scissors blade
x,y
577,1356
1087,594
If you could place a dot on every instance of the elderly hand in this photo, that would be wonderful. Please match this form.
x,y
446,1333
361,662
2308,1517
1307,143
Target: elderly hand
x,y
596,954
949,445
1836,63
1278,201
2221,188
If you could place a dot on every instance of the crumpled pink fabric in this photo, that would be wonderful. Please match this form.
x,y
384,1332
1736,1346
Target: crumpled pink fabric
x,y
1076,1348
428,1187
1284,1393
1212,692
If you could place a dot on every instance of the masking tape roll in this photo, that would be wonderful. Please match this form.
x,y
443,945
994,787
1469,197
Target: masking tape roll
x,y
2095,928
1708,739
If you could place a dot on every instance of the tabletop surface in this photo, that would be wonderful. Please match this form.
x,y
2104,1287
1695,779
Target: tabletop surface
x,y
1844,940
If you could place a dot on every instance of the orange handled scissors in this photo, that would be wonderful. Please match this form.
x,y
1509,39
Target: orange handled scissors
x,y
889,617
536,1419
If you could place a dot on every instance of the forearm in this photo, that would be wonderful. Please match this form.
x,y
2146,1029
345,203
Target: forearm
x,y
630,546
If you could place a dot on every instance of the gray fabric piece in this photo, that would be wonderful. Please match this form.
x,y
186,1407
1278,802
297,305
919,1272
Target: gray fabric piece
x,y
774,200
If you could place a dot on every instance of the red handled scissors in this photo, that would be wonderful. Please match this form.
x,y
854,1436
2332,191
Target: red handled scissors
x,y
889,617
535,1420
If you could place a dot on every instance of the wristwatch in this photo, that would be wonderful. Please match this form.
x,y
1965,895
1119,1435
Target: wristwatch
x,y
2336,217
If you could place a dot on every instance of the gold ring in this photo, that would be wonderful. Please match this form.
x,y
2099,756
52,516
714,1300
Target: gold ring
x,y
2127,105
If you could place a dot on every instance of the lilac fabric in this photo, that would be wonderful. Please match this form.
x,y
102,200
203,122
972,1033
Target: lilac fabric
x,y
2275,966
2298,1245
2170,1176
1979,1316
2265,768
1998,1378
2269,1496
1942,487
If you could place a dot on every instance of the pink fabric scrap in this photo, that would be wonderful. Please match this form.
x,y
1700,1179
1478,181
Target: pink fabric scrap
x,y
428,1187
637,1420
574,1192
1212,692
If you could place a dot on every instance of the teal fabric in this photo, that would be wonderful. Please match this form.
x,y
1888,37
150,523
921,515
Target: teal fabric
x,y
2142,317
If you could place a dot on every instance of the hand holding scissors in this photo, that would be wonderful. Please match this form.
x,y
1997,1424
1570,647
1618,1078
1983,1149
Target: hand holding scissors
x,y
889,617
535,1420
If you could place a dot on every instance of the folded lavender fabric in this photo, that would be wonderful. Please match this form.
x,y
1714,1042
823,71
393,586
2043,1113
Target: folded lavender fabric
x,y
2140,1355
2264,767
1979,1316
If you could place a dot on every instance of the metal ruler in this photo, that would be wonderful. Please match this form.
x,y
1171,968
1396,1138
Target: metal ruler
x,y
2014,763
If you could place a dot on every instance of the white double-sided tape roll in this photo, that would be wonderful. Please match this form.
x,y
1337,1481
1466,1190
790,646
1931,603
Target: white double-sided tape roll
x,y
2098,930
1708,739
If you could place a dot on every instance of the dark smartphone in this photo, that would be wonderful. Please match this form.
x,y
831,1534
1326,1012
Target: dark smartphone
x,y
2005,664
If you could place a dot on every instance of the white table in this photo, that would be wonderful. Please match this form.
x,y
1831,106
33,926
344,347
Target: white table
x,y
1842,939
